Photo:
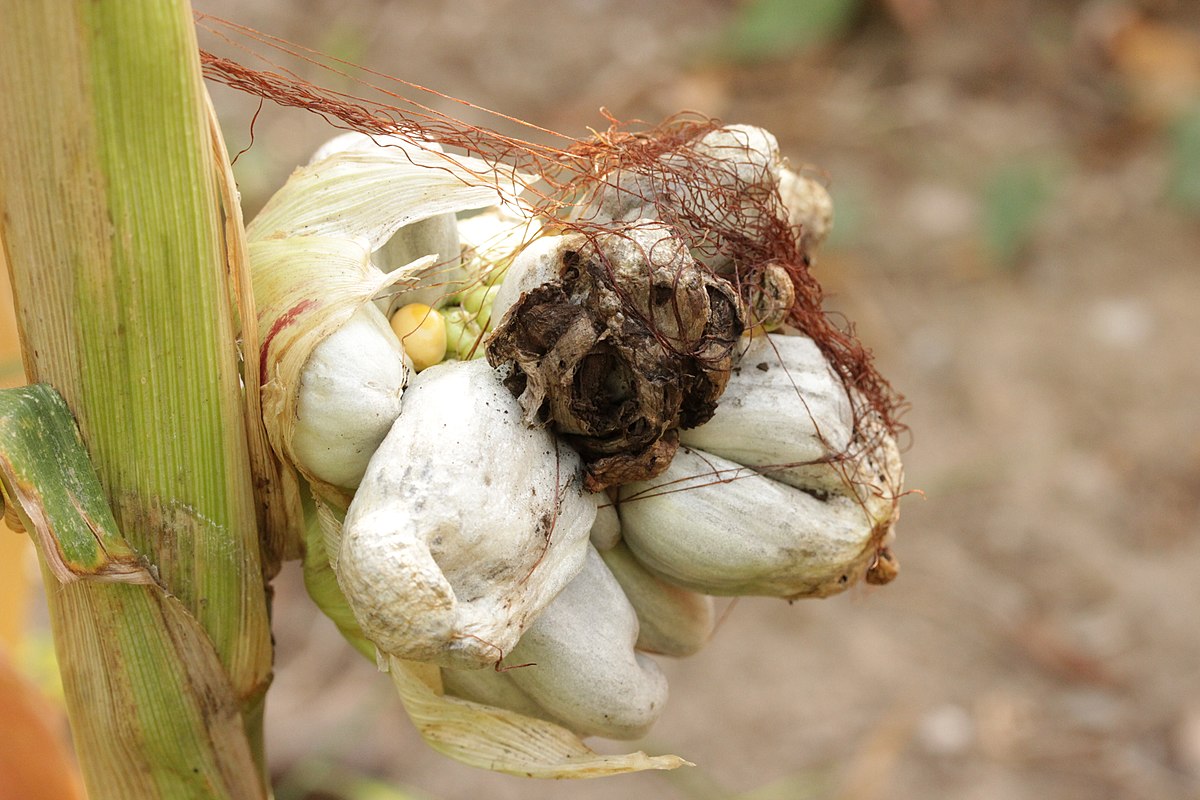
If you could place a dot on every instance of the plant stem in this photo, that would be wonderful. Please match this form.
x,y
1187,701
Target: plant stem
x,y
111,227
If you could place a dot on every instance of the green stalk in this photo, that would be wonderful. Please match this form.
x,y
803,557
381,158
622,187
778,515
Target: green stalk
x,y
111,226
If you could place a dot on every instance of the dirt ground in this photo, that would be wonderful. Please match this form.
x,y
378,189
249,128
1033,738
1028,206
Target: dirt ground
x,y
1040,641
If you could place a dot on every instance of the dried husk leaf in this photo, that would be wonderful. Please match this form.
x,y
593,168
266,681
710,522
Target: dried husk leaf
x,y
371,194
435,235
505,741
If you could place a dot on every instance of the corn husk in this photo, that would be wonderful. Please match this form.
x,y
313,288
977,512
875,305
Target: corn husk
x,y
505,741
491,238
310,253
371,194
435,235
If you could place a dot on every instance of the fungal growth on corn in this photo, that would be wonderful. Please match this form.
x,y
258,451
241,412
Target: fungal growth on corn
x,y
618,339
608,394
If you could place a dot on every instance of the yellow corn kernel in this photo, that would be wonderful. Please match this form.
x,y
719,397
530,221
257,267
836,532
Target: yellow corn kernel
x,y
422,331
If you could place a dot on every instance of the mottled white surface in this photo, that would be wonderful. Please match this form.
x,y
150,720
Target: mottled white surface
x,y
350,394
576,665
714,526
466,525
672,621
783,406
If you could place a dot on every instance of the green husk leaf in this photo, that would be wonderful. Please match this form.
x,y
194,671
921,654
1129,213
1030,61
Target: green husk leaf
x,y
47,475
276,485
181,708
321,581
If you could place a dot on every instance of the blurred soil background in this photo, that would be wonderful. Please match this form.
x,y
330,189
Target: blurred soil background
x,y
1017,236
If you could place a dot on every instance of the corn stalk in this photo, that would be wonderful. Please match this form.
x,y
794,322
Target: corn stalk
x,y
111,225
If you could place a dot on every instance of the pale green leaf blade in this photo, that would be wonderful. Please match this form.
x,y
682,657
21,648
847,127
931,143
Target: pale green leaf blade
x,y
48,477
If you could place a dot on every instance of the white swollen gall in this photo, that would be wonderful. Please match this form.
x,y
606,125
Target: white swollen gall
x,y
466,525
349,396
715,526
791,495
672,621
581,669
783,405
809,207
